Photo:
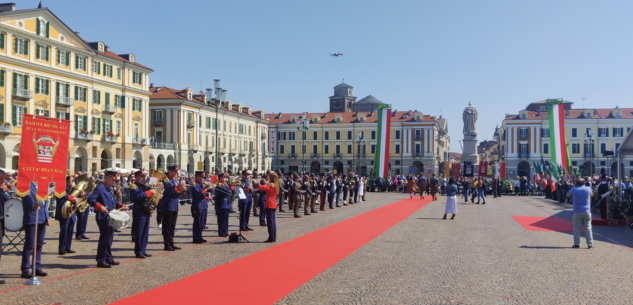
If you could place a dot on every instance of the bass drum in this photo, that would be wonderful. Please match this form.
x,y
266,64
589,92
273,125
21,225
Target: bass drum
x,y
13,214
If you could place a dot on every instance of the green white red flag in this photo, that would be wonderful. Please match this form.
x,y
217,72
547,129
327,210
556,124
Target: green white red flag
x,y
381,158
556,111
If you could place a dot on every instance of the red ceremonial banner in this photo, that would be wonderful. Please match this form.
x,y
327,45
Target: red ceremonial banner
x,y
456,168
43,156
502,169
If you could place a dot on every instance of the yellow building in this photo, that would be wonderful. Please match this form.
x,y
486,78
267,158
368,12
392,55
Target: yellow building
x,y
591,135
47,69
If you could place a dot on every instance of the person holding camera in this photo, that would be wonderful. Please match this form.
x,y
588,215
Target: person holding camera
x,y
581,200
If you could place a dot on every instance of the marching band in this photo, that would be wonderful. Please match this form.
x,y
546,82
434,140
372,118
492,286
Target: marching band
x,y
262,195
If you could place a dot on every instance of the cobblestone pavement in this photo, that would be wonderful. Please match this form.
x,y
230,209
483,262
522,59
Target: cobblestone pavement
x,y
482,257
73,278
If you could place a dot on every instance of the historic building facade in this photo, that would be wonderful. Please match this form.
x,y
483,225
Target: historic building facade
x,y
524,139
345,141
184,128
47,69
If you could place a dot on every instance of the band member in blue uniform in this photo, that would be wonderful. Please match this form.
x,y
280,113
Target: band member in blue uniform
x,y
31,207
222,205
82,223
199,205
66,226
245,205
103,201
173,188
261,202
140,217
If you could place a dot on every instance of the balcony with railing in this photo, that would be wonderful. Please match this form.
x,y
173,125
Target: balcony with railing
x,y
523,135
524,155
589,155
292,155
112,138
191,124
314,155
194,147
161,145
83,136
360,155
64,101
110,108
338,155
418,137
233,151
417,155
6,128
22,93
158,122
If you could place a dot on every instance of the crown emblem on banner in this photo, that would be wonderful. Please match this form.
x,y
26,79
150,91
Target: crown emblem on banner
x,y
45,147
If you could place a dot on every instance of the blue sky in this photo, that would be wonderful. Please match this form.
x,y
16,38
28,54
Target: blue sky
x,y
431,56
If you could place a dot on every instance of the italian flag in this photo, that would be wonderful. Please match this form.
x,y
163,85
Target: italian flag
x,y
558,147
381,158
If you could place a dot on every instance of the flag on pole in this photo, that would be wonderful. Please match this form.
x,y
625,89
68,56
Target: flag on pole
x,y
381,158
558,147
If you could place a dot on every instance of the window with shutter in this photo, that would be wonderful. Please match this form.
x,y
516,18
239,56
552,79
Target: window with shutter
x,y
85,122
25,82
107,99
77,121
2,41
47,29
67,62
76,93
1,112
2,72
122,101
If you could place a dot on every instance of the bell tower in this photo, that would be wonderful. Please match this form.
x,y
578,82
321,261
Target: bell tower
x,y
342,100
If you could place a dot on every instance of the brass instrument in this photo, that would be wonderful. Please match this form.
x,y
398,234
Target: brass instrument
x,y
150,204
70,207
89,189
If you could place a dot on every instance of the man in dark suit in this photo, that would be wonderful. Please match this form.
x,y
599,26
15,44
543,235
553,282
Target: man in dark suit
x,y
66,226
172,189
222,201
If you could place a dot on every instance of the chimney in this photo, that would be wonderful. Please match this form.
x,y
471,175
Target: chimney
x,y
7,7
151,85
77,33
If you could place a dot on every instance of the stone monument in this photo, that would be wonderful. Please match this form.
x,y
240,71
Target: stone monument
x,y
470,135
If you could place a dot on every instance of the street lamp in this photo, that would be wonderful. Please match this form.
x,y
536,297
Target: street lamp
x,y
590,139
360,140
303,125
220,95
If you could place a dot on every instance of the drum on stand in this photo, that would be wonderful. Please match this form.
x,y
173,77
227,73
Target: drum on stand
x,y
13,215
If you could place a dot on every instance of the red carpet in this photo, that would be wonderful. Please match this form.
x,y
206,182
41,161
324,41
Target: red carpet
x,y
552,223
275,272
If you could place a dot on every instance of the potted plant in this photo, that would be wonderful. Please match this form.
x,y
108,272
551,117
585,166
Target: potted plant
x,y
92,132
110,133
83,131
7,124
117,134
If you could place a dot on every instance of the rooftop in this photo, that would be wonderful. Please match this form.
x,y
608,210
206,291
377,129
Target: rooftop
x,y
347,117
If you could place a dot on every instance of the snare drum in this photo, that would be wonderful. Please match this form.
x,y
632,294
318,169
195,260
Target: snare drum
x,y
13,214
118,219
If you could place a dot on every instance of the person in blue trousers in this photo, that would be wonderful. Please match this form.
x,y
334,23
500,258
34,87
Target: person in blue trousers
x,y
245,205
103,201
222,201
199,205
66,226
140,217
33,207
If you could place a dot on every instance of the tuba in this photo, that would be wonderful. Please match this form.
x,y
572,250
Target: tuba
x,y
89,189
70,207
150,204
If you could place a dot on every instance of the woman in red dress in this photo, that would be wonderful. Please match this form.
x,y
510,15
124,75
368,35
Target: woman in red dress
x,y
271,187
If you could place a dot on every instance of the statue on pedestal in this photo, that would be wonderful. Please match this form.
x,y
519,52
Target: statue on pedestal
x,y
470,120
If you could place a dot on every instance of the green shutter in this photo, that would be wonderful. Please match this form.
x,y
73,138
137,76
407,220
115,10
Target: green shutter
x,y
76,93
67,58
1,40
26,47
76,62
123,101
58,57
37,50
47,29
25,83
47,84
14,116
37,85
2,78
67,90
76,120
85,94
15,45
15,80
85,122
1,112
47,52
37,26
57,90
99,124
107,98
84,60
110,126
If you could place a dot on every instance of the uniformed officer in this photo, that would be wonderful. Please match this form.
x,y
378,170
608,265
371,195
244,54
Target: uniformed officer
x,y
330,188
232,181
82,223
245,205
282,192
288,182
352,185
356,188
255,193
296,194
261,203
345,187
307,195
199,205
222,205
172,189
339,190
140,217
103,201
66,226
314,186
31,208
322,191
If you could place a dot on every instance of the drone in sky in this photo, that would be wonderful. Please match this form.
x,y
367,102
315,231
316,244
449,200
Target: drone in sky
x,y
336,54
